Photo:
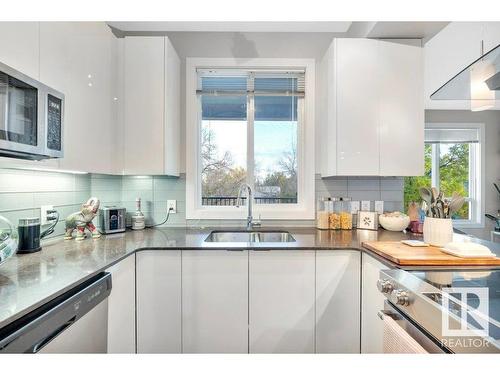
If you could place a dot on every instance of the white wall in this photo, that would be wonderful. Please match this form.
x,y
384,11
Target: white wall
x,y
491,119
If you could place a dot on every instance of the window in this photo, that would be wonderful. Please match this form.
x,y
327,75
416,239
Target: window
x,y
248,125
453,156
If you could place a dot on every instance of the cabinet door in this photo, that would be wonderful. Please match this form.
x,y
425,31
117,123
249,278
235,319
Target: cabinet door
x,y
144,69
401,110
158,301
214,301
281,301
76,59
121,307
20,47
338,287
372,330
358,103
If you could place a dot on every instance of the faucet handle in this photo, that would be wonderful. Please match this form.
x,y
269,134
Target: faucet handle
x,y
257,223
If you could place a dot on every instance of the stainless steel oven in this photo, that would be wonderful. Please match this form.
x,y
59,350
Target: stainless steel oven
x,y
31,117
442,310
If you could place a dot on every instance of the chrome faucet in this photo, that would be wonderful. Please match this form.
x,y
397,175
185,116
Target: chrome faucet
x,y
250,222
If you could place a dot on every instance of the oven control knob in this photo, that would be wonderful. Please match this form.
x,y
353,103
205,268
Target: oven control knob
x,y
400,297
384,286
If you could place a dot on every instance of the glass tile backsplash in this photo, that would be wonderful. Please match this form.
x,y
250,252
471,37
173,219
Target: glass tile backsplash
x,y
22,193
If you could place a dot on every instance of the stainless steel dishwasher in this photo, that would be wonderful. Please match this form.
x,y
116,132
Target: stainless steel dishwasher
x,y
75,322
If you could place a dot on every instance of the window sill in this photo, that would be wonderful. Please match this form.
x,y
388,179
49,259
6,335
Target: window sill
x,y
467,224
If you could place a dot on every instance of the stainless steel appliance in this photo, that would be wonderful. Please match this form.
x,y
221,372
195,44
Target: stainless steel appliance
x,y
431,304
75,322
31,117
112,219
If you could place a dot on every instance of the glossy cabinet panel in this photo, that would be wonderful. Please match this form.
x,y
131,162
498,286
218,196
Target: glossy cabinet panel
x,y
281,301
20,48
357,103
401,133
121,307
151,87
214,301
76,59
372,330
158,301
338,293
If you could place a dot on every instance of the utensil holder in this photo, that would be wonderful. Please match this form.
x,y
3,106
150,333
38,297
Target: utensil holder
x,y
438,232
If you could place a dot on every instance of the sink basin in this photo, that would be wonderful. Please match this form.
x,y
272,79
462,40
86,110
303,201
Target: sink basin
x,y
249,236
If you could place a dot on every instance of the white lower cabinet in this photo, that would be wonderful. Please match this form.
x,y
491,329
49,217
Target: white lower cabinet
x,y
214,301
158,301
372,329
338,287
121,307
281,301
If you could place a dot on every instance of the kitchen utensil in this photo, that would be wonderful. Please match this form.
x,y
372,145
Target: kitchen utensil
x,y
456,204
496,187
426,195
435,194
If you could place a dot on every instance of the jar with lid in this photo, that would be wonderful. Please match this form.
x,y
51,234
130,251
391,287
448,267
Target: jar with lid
x,y
335,213
322,212
345,216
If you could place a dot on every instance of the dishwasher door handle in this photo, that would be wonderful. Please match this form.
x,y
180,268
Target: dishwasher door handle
x,y
40,344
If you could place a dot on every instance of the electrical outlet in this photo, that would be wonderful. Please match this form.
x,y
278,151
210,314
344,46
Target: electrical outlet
x,y
379,207
172,204
365,205
43,214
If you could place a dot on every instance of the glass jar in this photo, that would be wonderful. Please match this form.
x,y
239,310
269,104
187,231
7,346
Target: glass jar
x,y
322,213
336,205
345,216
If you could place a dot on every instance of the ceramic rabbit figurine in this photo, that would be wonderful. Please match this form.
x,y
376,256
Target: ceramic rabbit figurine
x,y
83,219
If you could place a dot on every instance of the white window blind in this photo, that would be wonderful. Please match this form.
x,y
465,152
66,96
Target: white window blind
x,y
450,135
259,82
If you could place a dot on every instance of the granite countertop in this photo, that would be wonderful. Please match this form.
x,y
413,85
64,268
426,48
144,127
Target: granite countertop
x,y
28,281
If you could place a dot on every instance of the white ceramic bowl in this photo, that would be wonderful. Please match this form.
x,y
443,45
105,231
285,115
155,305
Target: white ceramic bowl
x,y
394,223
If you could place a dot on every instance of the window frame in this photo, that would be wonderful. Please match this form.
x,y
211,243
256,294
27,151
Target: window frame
x,y
304,209
476,173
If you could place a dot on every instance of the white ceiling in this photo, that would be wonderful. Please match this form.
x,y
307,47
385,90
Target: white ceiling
x,y
328,27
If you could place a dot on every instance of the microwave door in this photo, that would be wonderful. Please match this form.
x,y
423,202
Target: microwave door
x,y
20,114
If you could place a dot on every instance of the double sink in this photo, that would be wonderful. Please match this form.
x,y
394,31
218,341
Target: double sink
x,y
249,236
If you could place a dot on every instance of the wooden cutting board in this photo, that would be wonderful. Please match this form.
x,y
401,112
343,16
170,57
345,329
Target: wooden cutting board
x,y
405,255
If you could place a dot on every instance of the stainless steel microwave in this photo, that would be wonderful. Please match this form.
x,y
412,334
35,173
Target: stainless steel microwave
x,y
31,117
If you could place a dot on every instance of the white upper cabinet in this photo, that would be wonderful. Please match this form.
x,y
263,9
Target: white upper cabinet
x,y
76,58
373,118
401,128
151,113
19,47
450,51
358,102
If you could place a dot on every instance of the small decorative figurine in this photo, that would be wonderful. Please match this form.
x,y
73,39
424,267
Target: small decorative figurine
x,y
83,219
